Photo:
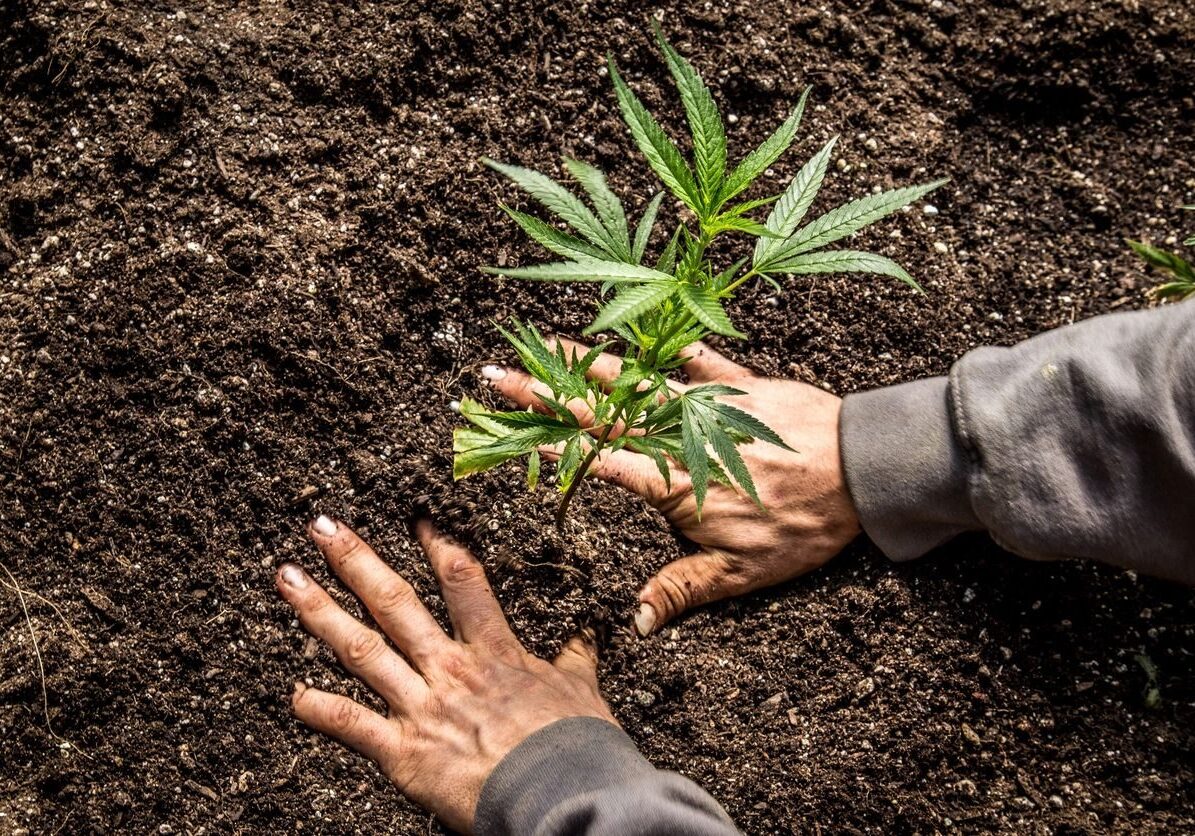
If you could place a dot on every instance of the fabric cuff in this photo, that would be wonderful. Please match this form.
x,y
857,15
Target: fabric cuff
x,y
906,470
556,764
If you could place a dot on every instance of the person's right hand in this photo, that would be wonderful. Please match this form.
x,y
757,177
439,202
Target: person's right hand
x,y
809,516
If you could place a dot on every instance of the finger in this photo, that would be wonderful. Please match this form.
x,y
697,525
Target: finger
x,y
705,364
392,601
362,651
525,391
474,610
684,584
633,471
349,722
580,657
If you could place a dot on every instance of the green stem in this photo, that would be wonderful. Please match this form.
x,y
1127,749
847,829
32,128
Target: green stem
x,y
730,288
583,468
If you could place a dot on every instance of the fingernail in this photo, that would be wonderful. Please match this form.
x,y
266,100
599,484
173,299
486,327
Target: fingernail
x,y
493,372
645,620
324,525
293,576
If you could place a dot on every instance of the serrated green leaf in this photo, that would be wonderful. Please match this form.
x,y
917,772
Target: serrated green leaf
x,y
750,205
747,424
737,223
661,152
632,303
705,123
790,209
582,270
694,457
567,464
727,452
704,305
643,231
844,261
841,222
757,162
1165,260
520,442
552,238
608,206
556,198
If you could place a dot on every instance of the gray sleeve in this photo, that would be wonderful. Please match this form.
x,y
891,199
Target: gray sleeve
x,y
1076,443
585,776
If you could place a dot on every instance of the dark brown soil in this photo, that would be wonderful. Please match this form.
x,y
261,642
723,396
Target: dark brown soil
x,y
238,257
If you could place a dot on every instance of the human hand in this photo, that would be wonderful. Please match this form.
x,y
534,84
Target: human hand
x,y
457,706
809,516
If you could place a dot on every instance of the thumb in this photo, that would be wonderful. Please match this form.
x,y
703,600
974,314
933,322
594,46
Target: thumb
x,y
579,657
684,584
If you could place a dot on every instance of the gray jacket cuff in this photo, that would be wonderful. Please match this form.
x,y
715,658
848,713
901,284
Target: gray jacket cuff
x,y
905,469
585,776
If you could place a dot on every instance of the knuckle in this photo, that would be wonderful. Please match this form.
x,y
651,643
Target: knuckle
x,y
362,647
675,592
463,571
351,552
344,717
392,597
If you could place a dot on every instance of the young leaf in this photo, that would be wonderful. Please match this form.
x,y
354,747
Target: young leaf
x,y
844,261
757,162
704,305
583,270
841,222
1165,260
552,238
607,204
660,151
737,223
705,123
790,209
556,198
533,470
632,303
666,263
643,231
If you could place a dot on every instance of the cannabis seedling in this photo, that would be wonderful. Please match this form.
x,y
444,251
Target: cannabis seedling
x,y
1182,273
658,310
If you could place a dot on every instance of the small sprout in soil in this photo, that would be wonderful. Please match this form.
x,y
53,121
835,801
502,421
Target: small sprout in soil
x,y
655,310
1182,274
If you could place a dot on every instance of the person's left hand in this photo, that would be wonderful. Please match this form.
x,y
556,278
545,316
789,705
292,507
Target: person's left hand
x,y
458,705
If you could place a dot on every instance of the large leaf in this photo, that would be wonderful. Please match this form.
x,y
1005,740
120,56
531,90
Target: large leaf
x,y
695,459
478,458
757,162
552,238
705,123
704,305
643,231
558,199
660,151
583,270
843,261
790,209
608,206
841,222
632,303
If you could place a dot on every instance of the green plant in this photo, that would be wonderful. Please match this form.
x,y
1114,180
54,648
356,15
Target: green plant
x,y
658,310
1182,282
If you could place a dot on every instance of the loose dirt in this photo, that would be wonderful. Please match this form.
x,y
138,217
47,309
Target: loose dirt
x,y
238,285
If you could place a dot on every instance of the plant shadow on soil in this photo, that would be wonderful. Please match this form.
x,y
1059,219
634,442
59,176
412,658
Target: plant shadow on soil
x,y
238,258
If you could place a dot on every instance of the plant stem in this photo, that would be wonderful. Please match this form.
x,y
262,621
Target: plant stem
x,y
583,468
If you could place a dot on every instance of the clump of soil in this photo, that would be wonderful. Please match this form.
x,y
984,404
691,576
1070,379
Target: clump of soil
x,y
239,251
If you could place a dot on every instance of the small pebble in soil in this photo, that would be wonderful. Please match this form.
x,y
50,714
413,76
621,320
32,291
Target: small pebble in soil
x,y
865,688
940,247
645,698
929,209
966,787
971,736
455,406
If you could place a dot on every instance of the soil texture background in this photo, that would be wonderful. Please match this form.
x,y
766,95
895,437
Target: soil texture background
x,y
239,251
